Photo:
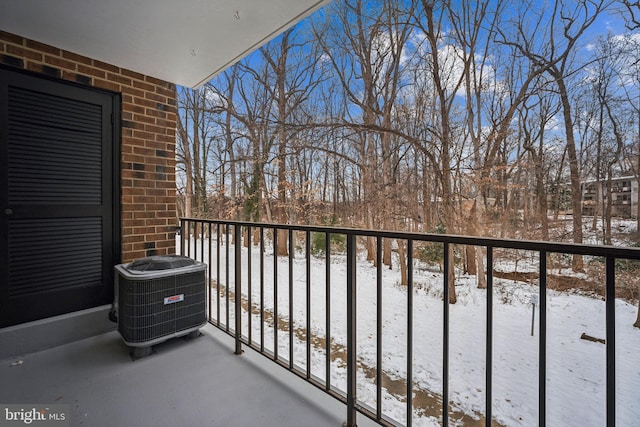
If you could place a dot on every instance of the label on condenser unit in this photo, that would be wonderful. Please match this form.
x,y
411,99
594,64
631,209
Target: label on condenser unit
x,y
174,299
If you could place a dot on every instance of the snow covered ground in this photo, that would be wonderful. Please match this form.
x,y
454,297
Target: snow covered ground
x,y
576,368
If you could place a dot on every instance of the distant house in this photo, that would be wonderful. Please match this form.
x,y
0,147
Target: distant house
x,y
623,194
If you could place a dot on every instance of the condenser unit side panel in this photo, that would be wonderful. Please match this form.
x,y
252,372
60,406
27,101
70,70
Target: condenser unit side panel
x,y
191,311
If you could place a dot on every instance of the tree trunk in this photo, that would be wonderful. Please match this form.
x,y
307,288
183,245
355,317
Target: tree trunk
x,y
574,168
557,181
541,193
386,253
404,281
283,242
228,127
445,136
451,274
371,241
606,238
474,253
481,278
188,196
256,236
283,184
470,253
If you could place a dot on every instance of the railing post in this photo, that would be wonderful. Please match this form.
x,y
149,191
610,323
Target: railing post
x,y
249,280
351,330
291,249
186,238
542,358
445,338
226,277
218,238
307,255
327,303
489,341
379,297
238,286
410,333
209,277
182,230
275,294
610,307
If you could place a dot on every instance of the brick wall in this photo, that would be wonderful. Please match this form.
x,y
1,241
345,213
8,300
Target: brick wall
x,y
148,138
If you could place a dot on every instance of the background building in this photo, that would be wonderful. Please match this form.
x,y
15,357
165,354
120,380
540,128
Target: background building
x,y
624,197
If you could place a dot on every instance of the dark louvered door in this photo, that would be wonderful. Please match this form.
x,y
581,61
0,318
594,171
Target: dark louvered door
x,y
58,209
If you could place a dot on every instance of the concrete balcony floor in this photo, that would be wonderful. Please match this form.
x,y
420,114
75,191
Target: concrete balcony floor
x,y
197,382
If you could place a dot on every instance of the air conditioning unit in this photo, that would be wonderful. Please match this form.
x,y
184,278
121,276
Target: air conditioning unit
x,y
158,298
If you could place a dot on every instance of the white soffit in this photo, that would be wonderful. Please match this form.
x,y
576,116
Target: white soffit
x,y
185,42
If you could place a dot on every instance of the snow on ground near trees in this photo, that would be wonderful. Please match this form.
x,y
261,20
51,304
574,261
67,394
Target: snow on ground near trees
x,y
576,386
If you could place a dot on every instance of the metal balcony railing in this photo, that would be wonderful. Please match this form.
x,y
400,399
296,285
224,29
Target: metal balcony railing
x,y
250,301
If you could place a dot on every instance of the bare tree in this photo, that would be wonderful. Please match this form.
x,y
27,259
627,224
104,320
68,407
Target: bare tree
x,y
605,82
536,113
457,64
366,56
631,13
290,80
553,55
443,96
194,148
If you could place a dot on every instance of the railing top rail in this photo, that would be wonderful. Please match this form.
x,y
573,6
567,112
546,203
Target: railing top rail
x,y
527,245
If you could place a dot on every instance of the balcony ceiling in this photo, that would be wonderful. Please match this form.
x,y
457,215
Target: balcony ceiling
x,y
186,42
